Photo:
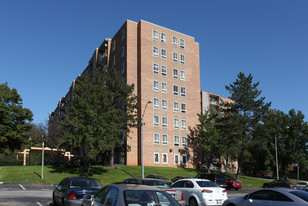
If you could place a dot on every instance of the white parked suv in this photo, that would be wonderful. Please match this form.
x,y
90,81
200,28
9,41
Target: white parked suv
x,y
199,192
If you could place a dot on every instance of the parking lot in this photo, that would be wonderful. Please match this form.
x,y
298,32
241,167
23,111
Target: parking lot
x,y
12,194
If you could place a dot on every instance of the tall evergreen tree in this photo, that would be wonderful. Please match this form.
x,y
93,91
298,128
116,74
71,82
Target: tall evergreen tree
x,y
205,140
247,110
103,110
14,119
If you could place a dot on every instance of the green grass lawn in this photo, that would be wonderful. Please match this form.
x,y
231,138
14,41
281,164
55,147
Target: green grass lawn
x,y
53,175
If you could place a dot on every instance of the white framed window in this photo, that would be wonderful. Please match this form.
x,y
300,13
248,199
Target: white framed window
x,y
164,139
175,90
123,68
123,34
123,51
183,124
114,60
176,159
183,108
175,106
175,57
155,35
156,103
156,138
176,140
163,53
156,121
184,141
155,51
184,159
163,70
164,104
183,91
163,37
113,45
155,68
182,59
156,157
165,158
163,87
164,122
174,41
175,73
176,123
183,75
182,43
155,86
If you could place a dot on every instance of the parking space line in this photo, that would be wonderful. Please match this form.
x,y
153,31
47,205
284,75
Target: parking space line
x,y
39,203
22,187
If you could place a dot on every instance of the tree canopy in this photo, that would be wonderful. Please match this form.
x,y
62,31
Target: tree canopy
x,y
103,110
14,119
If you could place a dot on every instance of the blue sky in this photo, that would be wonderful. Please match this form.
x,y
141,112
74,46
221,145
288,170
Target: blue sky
x,y
44,45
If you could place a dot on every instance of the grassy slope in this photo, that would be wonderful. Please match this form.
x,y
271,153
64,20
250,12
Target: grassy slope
x,y
53,175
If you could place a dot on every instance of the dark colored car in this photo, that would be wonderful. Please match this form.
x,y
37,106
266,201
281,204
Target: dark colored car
x,y
157,177
130,194
176,178
278,183
218,179
72,190
232,183
160,178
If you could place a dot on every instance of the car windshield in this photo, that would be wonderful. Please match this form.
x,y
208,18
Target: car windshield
x,y
220,177
206,184
84,184
301,194
142,197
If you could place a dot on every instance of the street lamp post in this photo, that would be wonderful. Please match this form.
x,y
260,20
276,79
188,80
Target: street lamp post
x,y
142,138
277,167
42,175
30,139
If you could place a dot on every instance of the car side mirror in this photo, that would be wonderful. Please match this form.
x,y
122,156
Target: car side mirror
x,y
246,197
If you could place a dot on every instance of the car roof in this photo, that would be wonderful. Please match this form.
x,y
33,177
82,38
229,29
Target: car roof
x,y
194,179
125,186
82,178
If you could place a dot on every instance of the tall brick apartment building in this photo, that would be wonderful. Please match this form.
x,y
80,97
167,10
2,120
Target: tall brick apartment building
x,y
164,66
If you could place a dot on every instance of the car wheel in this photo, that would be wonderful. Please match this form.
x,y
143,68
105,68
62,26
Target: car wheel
x,y
193,202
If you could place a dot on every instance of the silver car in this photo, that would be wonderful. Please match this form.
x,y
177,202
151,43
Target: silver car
x,y
130,195
271,197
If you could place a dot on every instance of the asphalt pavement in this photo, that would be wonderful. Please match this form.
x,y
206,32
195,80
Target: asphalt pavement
x,y
12,194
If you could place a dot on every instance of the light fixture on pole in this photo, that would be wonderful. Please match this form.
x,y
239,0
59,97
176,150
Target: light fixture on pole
x,y
142,138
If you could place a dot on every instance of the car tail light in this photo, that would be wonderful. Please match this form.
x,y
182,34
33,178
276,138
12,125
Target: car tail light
x,y
207,191
215,181
72,196
182,197
224,191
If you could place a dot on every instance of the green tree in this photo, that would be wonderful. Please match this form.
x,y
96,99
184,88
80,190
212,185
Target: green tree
x,y
205,140
292,141
247,111
103,110
14,119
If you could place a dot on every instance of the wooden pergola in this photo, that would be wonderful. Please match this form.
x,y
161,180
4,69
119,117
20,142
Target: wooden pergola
x,y
47,150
